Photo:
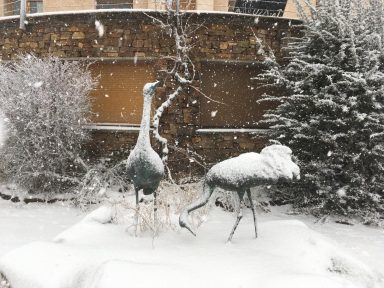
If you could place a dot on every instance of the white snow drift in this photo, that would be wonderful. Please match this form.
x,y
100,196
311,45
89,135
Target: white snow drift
x,y
97,254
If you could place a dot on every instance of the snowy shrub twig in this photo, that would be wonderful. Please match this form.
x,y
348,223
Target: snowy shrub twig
x,y
47,104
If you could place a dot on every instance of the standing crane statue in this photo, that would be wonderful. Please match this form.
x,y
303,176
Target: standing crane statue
x,y
145,167
240,174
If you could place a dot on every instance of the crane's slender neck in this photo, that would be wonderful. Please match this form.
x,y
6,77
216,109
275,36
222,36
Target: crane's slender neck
x,y
145,122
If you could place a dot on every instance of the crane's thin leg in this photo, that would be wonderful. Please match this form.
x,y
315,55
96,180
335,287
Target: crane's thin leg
x,y
136,223
253,210
155,222
239,211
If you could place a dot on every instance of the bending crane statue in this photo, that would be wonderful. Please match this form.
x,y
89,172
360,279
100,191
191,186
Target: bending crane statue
x,y
144,165
240,174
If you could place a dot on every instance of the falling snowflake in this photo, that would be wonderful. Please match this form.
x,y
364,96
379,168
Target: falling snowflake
x,y
38,84
100,28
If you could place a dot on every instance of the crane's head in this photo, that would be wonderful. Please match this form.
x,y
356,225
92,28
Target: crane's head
x,y
150,88
184,223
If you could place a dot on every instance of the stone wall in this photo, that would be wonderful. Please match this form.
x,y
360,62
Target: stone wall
x,y
129,34
134,35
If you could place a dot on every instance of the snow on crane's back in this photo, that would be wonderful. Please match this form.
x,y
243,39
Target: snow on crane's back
x,y
273,163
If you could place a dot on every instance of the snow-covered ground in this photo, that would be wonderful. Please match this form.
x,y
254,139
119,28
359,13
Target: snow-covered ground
x,y
21,224
98,254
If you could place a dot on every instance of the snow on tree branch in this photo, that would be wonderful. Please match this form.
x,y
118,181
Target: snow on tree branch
x,y
331,107
182,71
156,121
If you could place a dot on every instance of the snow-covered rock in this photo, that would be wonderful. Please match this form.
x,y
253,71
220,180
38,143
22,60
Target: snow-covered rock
x,y
96,255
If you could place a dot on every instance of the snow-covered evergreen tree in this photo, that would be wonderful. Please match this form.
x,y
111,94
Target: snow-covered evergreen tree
x,y
46,104
332,111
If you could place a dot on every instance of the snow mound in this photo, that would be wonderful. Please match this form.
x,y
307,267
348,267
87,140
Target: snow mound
x,y
102,215
90,225
98,254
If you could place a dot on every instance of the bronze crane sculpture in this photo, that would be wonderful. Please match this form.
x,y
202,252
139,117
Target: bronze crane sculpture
x,y
240,174
144,166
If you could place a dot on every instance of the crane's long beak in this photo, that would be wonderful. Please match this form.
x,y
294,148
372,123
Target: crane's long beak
x,y
190,230
183,224
156,83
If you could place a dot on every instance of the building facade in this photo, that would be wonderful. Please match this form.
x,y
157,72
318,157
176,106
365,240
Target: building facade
x,y
217,119
282,8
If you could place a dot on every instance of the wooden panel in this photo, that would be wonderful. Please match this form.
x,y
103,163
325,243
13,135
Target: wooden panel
x,y
231,85
119,97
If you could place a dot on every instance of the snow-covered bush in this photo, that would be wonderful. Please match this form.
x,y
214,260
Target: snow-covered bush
x,y
171,200
332,113
107,184
100,177
46,103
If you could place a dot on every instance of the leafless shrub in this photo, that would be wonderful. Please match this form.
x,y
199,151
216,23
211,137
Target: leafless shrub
x,y
46,104
172,198
98,179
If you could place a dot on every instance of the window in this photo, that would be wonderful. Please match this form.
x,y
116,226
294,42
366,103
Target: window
x,y
119,96
233,94
12,7
35,6
261,7
114,4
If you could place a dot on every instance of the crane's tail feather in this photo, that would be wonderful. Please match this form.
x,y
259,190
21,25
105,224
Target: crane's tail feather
x,y
183,219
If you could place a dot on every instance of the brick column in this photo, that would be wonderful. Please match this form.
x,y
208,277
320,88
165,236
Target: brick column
x,y
221,5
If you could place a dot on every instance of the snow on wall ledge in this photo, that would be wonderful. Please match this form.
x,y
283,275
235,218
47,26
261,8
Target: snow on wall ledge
x,y
135,10
97,254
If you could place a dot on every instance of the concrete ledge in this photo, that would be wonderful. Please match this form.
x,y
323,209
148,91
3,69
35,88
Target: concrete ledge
x,y
230,130
114,127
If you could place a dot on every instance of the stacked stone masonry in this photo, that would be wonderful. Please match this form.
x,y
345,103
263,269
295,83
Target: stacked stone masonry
x,y
129,35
